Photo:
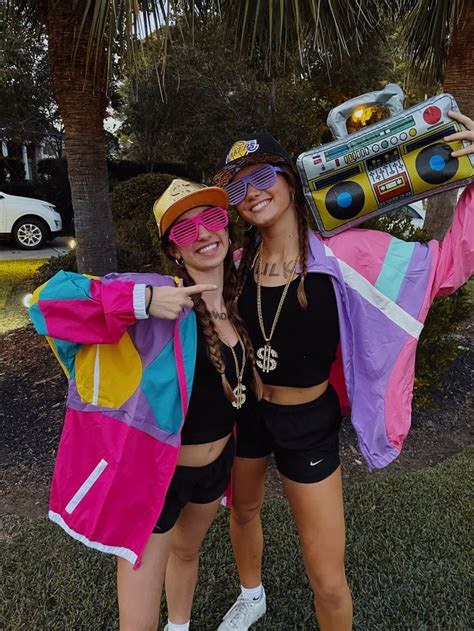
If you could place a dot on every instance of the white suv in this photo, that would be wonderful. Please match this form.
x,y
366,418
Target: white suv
x,y
30,222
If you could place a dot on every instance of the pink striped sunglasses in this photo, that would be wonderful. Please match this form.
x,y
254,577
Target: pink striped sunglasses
x,y
186,232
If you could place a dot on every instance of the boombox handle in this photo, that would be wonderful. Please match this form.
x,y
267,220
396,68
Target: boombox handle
x,y
392,96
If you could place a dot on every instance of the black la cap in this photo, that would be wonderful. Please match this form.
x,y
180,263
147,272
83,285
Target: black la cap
x,y
250,149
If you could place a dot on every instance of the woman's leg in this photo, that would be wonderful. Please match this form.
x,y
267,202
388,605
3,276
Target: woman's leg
x,y
248,479
248,488
139,591
319,515
183,563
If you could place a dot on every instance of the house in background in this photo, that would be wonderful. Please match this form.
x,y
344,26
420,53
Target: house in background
x,y
30,153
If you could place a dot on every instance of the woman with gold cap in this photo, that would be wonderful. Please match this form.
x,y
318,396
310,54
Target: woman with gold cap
x,y
155,379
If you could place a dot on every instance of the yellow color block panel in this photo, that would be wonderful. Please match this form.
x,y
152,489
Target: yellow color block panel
x,y
108,374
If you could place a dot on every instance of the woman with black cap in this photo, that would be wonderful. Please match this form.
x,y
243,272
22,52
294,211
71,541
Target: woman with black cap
x,y
154,386
302,298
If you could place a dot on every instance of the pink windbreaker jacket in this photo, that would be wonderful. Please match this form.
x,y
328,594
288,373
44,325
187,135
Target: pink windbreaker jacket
x,y
130,380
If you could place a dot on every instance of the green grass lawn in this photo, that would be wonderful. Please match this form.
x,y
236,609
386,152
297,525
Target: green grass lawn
x,y
13,275
407,562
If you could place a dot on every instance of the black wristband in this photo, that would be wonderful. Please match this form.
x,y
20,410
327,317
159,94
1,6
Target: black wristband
x,y
148,305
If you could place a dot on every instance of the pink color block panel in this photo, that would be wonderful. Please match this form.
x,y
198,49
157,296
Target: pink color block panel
x,y
399,395
122,506
363,250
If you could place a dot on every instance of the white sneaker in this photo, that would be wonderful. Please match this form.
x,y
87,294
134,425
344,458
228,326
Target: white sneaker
x,y
243,614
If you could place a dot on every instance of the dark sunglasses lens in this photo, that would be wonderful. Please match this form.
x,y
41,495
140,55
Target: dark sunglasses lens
x,y
264,177
236,191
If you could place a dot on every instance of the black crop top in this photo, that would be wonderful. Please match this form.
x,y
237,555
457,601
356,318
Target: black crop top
x,y
210,413
305,339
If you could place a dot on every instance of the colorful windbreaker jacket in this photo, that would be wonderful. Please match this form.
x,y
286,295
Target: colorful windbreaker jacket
x,y
130,380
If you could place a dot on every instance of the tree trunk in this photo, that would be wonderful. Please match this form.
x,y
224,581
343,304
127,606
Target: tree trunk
x,y
458,81
81,96
439,213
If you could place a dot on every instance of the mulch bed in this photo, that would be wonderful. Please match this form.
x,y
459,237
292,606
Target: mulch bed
x,y
32,411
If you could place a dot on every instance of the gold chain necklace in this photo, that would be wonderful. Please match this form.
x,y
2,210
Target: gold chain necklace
x,y
240,388
267,356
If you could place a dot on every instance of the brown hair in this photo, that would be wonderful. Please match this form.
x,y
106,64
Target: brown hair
x,y
251,240
213,341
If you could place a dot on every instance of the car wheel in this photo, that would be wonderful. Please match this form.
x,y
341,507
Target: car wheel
x,y
30,234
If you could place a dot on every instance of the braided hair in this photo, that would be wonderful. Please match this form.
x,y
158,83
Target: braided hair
x,y
213,341
249,250
251,240
229,293
303,244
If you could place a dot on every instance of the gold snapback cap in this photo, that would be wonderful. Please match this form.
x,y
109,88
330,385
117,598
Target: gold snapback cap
x,y
181,196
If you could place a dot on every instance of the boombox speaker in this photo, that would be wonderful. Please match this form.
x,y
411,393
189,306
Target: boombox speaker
x,y
386,165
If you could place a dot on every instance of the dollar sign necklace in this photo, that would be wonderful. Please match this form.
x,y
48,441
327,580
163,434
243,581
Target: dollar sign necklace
x,y
267,356
240,388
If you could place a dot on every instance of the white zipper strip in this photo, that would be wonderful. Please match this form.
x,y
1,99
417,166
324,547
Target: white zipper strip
x,y
95,394
86,486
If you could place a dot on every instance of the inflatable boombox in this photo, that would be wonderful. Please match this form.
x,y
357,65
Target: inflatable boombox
x,y
385,165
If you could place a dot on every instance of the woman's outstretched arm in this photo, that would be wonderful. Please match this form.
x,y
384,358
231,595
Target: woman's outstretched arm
x,y
85,310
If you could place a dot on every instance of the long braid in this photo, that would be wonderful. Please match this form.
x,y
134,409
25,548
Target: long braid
x,y
231,280
303,247
249,249
303,244
213,341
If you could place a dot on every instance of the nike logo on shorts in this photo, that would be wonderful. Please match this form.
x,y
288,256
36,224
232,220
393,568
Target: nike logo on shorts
x,y
313,464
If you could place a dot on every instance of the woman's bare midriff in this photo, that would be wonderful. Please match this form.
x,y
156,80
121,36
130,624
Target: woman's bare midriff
x,y
285,395
201,455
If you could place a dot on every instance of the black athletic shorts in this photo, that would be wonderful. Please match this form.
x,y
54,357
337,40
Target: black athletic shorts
x,y
199,485
304,438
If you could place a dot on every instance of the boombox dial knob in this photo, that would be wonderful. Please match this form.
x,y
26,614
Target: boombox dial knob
x,y
432,115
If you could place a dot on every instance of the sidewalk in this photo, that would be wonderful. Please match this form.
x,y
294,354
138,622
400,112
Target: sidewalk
x,y
55,248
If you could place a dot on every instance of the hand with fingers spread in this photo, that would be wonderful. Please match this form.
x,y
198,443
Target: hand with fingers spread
x,y
168,302
467,134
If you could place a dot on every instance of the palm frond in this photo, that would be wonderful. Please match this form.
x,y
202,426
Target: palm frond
x,y
427,33
268,30
276,28
116,26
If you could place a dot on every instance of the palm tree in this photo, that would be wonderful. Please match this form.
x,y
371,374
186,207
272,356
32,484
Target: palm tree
x,y
438,36
85,37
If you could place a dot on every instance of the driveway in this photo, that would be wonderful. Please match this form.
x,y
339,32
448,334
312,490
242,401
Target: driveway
x,y
54,248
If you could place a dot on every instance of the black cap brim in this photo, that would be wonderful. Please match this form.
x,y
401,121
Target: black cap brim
x,y
227,173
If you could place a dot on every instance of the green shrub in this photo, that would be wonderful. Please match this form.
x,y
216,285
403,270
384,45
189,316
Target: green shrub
x,y
121,170
65,262
438,346
135,227
11,170
23,188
